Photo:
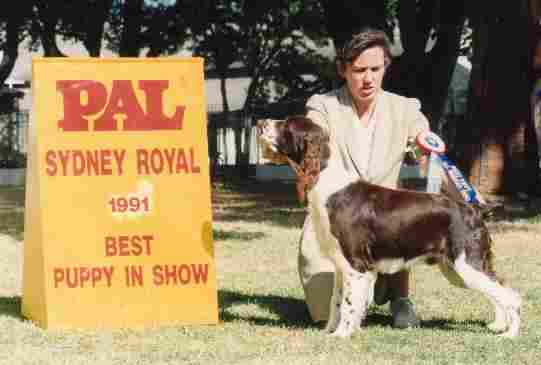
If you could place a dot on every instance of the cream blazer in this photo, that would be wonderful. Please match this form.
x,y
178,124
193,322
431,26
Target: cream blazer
x,y
398,118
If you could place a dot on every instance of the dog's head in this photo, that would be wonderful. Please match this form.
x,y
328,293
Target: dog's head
x,y
299,142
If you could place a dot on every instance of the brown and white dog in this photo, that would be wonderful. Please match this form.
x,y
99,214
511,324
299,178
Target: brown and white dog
x,y
365,229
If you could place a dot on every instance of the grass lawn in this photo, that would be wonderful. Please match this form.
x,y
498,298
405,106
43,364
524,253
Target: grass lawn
x,y
263,319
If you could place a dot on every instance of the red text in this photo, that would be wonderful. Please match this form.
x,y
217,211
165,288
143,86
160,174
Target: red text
x,y
79,162
168,160
180,274
128,245
89,99
83,276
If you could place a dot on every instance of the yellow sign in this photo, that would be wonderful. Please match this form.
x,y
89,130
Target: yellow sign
x,y
118,228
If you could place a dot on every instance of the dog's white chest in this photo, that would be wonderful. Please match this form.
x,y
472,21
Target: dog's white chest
x,y
391,266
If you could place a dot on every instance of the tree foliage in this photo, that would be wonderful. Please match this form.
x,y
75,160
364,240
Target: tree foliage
x,y
498,148
277,43
283,47
270,39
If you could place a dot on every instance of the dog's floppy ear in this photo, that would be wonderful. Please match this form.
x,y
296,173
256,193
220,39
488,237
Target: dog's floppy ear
x,y
310,144
305,133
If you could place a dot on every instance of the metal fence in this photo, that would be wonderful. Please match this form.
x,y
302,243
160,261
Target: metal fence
x,y
223,142
225,131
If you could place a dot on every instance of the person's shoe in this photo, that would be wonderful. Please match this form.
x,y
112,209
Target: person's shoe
x,y
403,313
382,294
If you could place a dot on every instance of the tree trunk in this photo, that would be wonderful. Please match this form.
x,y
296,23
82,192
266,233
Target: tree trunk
x,y
131,28
94,28
48,16
415,73
345,17
443,59
223,92
10,50
493,141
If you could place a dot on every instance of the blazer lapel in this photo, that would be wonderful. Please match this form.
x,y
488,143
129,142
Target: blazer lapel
x,y
382,140
348,132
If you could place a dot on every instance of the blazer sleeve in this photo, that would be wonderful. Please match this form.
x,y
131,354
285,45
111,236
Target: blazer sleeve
x,y
417,122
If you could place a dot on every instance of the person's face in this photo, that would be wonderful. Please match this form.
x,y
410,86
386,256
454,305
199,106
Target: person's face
x,y
364,75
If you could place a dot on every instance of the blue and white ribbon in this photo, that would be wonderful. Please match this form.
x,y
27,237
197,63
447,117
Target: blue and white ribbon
x,y
433,144
469,194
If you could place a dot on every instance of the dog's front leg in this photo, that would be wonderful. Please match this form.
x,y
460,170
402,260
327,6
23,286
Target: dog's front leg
x,y
355,298
336,300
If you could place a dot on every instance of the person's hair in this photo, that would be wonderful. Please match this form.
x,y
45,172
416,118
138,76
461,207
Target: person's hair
x,y
360,42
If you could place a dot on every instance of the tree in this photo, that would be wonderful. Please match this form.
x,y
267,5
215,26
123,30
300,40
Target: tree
x,y
417,72
275,43
85,21
13,22
498,152
221,28
47,19
132,15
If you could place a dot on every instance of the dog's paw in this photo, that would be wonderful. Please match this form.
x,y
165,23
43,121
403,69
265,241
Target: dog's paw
x,y
497,326
330,327
513,321
341,333
509,334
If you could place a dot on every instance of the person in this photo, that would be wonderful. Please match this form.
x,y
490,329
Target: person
x,y
369,129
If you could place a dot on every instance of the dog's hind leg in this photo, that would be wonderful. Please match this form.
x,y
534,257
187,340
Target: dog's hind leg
x,y
355,298
506,301
499,324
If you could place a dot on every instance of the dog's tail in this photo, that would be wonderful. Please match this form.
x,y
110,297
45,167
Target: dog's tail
x,y
465,228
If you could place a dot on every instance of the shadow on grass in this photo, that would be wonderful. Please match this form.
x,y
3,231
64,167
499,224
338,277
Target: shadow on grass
x,y
223,235
378,316
11,307
472,325
292,312
12,223
512,209
252,201
269,212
